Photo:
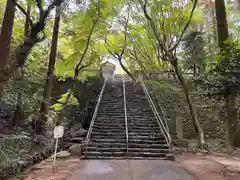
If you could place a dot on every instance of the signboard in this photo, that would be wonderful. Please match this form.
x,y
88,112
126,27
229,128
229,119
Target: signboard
x,y
58,132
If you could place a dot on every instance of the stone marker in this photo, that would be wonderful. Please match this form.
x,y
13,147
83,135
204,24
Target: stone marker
x,y
76,150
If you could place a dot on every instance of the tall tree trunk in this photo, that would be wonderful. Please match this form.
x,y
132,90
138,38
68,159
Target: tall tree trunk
x,y
192,109
23,50
18,115
48,85
230,98
222,26
212,16
231,118
5,37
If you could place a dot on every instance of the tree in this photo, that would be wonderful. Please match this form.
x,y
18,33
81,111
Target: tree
x,y
18,115
36,35
222,26
119,52
226,69
194,52
5,37
168,38
80,66
39,126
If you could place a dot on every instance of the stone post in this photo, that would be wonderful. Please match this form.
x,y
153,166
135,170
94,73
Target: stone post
x,y
179,128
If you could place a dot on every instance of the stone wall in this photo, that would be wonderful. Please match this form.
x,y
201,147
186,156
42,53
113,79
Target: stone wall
x,y
173,102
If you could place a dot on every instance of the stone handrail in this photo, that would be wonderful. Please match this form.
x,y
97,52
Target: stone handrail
x,y
95,114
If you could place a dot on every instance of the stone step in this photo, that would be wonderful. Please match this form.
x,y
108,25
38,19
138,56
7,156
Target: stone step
x,y
109,124
103,115
113,126
130,119
116,132
108,133
112,111
117,154
147,128
114,123
110,118
113,145
147,124
124,157
136,114
122,130
130,141
122,124
135,125
122,138
146,154
109,130
137,145
129,150
104,153
152,138
106,105
133,111
111,100
103,157
149,131
132,98
141,121
155,134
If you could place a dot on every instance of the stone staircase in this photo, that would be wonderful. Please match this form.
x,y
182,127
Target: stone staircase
x,y
108,139
145,138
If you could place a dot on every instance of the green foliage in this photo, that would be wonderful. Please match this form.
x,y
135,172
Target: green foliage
x,y
225,75
62,102
194,52
2,8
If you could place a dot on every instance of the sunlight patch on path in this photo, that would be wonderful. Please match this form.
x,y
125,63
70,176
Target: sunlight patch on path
x,y
132,170
97,167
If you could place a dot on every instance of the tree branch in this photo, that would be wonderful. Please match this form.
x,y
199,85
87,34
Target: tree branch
x,y
186,26
153,27
40,7
49,9
24,12
88,40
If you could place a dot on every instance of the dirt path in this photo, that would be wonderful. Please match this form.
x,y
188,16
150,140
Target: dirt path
x,y
211,167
